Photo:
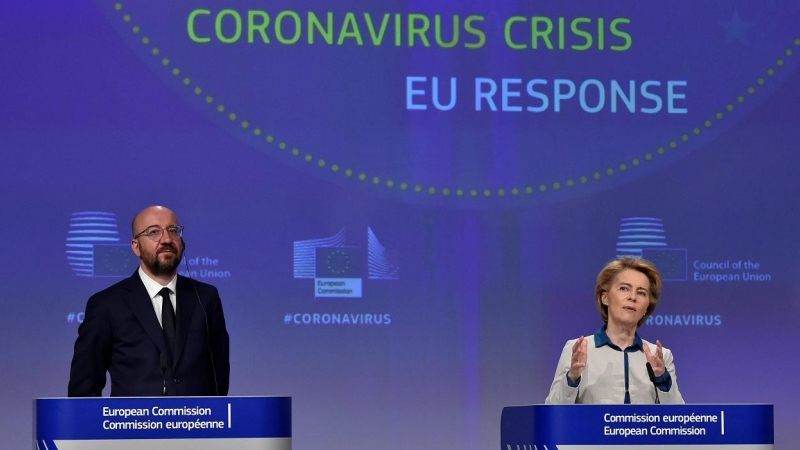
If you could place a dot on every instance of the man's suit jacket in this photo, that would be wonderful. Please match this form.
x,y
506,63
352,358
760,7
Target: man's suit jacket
x,y
120,334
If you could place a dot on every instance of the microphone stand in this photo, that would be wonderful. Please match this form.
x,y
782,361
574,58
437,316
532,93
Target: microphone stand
x,y
652,376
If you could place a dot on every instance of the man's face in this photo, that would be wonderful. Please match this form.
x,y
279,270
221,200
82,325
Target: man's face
x,y
162,255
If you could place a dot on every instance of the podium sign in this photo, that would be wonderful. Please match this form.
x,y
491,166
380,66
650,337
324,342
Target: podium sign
x,y
654,427
155,423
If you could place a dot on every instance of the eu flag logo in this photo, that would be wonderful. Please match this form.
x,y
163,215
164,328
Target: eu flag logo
x,y
338,262
112,260
671,262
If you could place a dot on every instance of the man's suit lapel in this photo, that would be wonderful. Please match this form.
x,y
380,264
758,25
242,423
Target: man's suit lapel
x,y
187,299
139,302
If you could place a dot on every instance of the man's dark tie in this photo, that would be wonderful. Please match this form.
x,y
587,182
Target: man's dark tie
x,y
167,318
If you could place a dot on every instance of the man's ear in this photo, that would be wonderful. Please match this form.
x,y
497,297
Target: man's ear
x,y
135,247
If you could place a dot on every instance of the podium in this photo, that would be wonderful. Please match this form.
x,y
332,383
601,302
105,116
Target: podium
x,y
156,423
652,427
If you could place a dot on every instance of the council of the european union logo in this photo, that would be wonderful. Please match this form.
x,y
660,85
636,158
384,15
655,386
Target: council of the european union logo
x,y
337,268
644,237
94,248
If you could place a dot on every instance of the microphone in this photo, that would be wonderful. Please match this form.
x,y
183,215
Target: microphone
x,y
652,376
163,361
205,318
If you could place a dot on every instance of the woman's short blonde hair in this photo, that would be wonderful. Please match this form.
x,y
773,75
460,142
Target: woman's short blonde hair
x,y
613,268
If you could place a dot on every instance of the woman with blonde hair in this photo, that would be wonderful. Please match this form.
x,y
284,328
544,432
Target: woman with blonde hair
x,y
615,365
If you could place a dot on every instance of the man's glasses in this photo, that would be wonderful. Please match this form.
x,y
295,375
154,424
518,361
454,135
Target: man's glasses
x,y
155,232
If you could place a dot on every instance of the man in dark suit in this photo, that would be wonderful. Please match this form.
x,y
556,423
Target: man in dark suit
x,y
156,333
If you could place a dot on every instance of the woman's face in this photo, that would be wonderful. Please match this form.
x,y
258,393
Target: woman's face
x,y
627,298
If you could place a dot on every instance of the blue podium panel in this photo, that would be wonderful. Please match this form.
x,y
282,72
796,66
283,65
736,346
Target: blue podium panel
x,y
155,423
657,427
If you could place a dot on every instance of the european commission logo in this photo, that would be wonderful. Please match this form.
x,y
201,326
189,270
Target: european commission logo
x,y
337,269
644,237
94,248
